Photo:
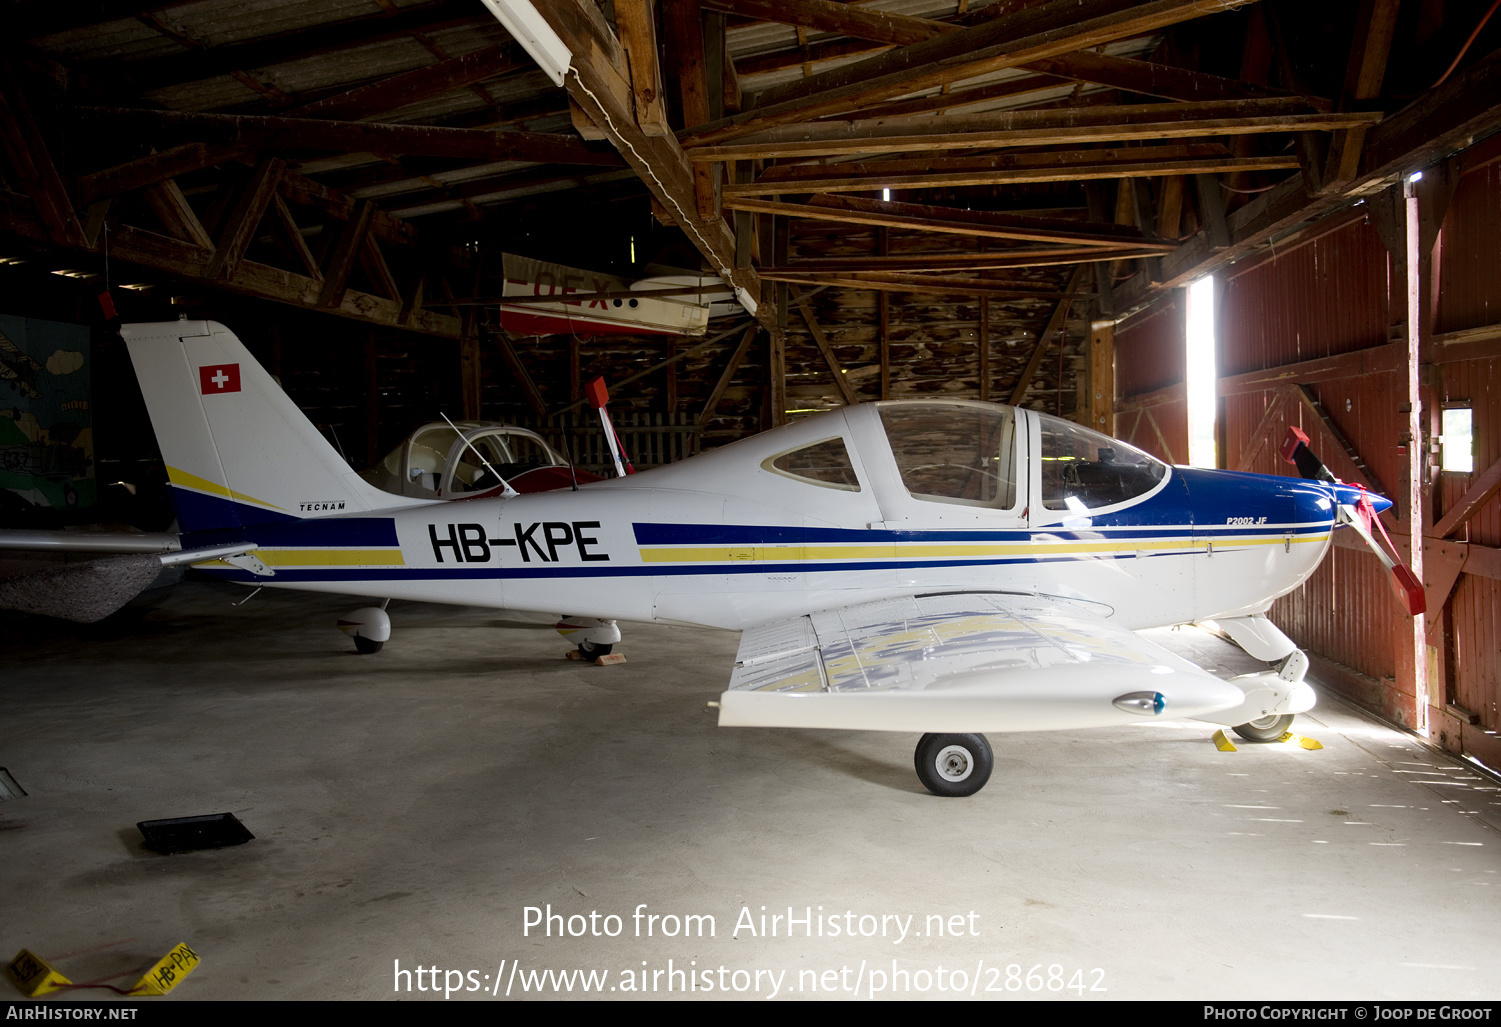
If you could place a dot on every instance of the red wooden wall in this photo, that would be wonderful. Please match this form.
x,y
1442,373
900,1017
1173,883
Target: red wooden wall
x,y
1335,291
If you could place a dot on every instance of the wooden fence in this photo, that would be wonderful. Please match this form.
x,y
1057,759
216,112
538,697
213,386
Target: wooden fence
x,y
651,439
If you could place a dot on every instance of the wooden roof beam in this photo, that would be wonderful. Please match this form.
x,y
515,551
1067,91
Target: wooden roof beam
x,y
636,23
992,260
683,27
186,260
1161,80
1030,128
281,133
1044,339
1006,42
22,141
346,251
148,170
845,19
728,374
597,80
914,283
947,101
1369,50
1063,166
1467,106
813,53
846,390
948,220
240,227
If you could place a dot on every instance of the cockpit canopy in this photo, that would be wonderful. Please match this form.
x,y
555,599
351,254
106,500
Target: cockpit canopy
x,y
967,453
440,460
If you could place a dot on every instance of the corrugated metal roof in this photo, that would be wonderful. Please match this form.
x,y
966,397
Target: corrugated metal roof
x,y
366,63
126,39
464,39
215,23
456,101
209,22
209,95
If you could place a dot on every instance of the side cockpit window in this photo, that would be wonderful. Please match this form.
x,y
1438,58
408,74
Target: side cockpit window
x,y
1084,470
825,463
955,452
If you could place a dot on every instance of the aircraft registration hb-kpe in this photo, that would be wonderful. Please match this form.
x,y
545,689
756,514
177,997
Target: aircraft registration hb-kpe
x,y
939,566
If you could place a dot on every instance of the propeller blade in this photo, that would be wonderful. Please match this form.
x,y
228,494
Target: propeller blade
x,y
1405,584
1360,515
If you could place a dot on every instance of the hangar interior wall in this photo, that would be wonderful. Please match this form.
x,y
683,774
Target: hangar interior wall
x,y
1315,335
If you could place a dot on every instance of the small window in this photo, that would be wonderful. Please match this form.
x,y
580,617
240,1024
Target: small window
x,y
963,453
1458,440
825,463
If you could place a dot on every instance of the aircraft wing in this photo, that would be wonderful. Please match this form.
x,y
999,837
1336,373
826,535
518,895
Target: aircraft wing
x,y
961,663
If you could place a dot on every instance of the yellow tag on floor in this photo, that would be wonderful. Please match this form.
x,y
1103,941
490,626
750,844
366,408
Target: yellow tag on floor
x,y
1222,742
34,975
1307,743
168,972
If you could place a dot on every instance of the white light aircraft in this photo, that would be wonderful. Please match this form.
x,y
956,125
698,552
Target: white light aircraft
x,y
937,566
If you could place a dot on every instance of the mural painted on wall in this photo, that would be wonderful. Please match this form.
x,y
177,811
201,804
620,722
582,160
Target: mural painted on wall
x,y
46,427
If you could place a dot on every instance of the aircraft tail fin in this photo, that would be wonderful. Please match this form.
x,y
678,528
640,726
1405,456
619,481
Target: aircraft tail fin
x,y
238,451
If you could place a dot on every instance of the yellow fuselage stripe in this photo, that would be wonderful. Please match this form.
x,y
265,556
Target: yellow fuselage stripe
x,y
914,550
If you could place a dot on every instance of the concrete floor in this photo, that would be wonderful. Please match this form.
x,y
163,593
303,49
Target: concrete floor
x,y
411,805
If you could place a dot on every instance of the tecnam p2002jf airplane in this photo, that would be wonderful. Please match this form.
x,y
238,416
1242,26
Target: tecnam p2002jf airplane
x,y
947,567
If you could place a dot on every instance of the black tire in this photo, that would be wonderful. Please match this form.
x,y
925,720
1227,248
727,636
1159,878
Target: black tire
x,y
953,765
1265,729
367,645
592,651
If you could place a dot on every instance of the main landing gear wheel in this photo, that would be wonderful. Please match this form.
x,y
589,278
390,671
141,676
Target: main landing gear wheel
x,y
1265,729
953,765
592,651
367,645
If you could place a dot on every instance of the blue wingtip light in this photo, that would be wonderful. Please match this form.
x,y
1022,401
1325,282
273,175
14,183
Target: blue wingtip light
x,y
1148,704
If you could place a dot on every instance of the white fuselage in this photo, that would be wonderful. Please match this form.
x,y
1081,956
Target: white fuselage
x,y
723,541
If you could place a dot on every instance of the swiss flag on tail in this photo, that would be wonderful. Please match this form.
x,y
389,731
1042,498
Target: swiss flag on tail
x,y
216,378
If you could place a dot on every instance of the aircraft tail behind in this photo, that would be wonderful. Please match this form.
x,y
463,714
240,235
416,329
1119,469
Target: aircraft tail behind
x,y
238,451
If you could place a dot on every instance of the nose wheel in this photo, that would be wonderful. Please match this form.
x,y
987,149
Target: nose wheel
x,y
953,765
1265,729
